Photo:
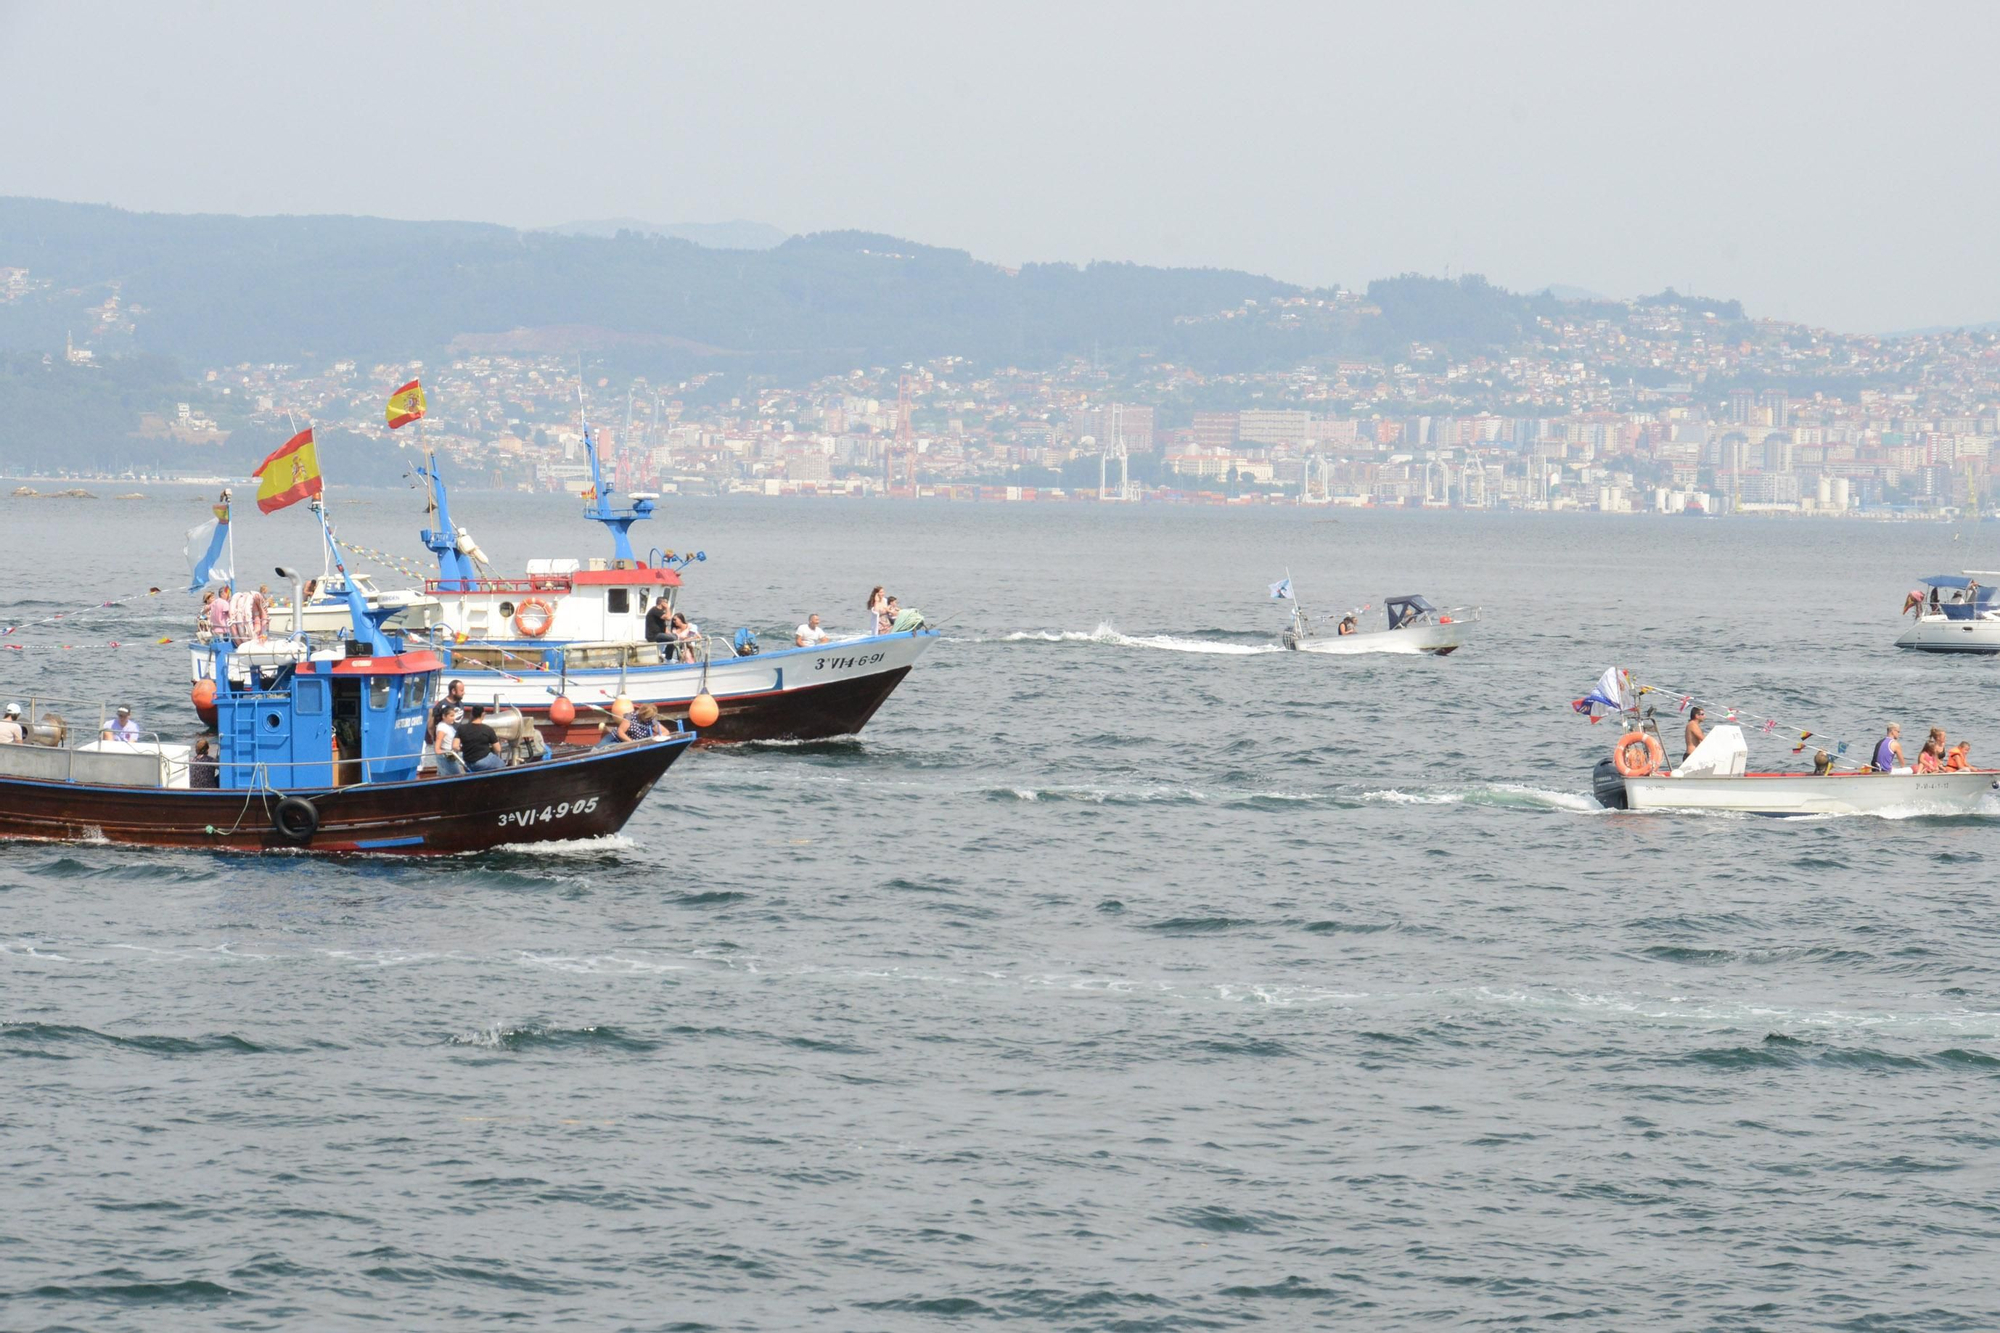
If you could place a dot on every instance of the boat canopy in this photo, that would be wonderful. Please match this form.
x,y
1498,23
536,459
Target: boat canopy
x,y
1406,608
1970,599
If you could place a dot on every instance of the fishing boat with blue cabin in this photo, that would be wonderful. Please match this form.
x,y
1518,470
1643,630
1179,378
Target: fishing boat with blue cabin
x,y
313,751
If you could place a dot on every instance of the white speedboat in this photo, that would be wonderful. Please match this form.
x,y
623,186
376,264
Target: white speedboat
x,y
1959,615
1716,778
327,612
1412,625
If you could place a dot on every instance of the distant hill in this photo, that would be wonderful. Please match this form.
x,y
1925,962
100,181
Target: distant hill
x,y
216,290
735,235
211,290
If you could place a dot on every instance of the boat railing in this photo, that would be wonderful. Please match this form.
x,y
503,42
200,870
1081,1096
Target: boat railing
x,y
530,583
38,714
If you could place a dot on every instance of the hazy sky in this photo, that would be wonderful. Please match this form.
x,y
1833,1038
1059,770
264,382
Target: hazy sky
x,y
1829,162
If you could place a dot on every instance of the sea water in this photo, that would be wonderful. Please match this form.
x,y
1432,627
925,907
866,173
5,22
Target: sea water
x,y
1128,972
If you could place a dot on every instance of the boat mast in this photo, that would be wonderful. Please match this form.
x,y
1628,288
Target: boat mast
x,y
618,521
454,566
367,629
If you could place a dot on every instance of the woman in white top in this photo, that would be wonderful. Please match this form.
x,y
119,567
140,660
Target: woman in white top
x,y
450,764
877,603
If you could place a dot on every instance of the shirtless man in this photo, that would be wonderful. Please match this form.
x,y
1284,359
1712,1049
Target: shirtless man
x,y
1694,734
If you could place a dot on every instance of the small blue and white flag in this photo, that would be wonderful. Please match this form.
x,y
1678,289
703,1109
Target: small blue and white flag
x,y
1282,588
208,553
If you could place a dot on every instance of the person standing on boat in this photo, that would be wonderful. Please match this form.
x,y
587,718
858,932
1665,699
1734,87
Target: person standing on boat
x,y
1694,733
1889,751
10,727
445,738
454,698
218,613
877,603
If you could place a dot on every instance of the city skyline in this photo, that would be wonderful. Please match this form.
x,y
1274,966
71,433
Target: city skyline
x,y
1741,153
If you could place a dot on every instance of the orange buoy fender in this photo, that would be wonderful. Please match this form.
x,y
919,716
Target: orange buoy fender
x,y
1649,761
533,618
561,711
204,701
704,710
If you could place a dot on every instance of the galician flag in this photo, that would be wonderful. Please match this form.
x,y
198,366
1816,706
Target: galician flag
x,y
289,475
406,404
1282,588
208,551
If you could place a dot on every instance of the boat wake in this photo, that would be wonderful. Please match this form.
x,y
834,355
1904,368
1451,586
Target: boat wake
x,y
1109,637
1494,795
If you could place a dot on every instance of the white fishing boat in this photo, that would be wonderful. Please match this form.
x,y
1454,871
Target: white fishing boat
x,y
1410,624
1716,776
567,639
1958,615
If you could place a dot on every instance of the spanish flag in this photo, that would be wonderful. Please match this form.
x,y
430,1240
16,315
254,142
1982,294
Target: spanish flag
x,y
289,475
406,404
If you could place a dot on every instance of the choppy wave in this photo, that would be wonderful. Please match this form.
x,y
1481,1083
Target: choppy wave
x,y
538,1037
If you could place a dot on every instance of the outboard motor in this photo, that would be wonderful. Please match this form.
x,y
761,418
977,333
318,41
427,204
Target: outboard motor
x,y
746,643
1607,785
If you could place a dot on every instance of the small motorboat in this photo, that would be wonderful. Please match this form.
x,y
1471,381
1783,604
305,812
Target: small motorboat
x,y
1958,615
1412,625
1716,777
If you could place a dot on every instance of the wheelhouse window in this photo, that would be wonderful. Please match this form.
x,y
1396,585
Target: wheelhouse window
x,y
415,690
618,601
378,692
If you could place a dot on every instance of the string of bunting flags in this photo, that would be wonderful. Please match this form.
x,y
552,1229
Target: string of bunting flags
x,y
1617,692
65,615
386,559
73,647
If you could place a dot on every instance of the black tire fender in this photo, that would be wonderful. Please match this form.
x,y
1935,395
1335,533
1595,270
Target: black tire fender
x,y
296,819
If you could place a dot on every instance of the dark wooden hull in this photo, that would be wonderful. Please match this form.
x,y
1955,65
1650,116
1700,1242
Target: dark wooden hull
x,y
811,713
585,795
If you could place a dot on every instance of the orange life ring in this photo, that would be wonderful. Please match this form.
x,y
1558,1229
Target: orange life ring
x,y
1655,759
539,627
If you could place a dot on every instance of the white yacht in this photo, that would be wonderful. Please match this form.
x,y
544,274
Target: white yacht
x,y
1958,614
